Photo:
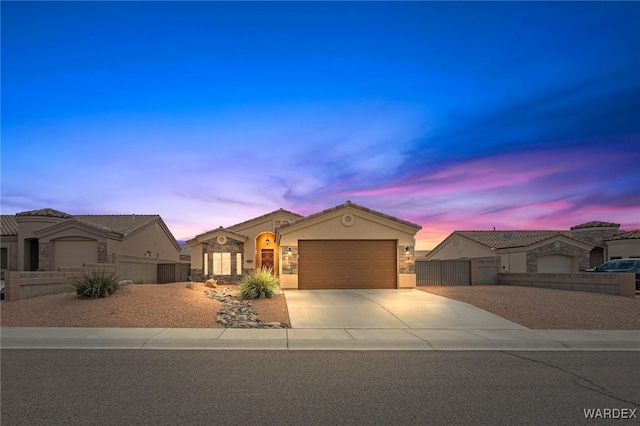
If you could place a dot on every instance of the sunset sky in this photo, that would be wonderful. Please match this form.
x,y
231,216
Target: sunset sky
x,y
452,115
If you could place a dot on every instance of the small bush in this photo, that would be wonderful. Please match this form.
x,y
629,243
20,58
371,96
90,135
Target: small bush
x,y
259,284
94,284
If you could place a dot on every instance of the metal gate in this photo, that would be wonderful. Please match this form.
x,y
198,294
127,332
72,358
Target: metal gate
x,y
166,273
443,272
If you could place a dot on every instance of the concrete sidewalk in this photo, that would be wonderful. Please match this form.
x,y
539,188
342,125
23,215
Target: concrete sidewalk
x,y
318,339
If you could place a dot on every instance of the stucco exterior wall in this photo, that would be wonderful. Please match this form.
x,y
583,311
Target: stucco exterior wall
x,y
623,248
9,245
152,239
333,228
515,261
459,248
27,225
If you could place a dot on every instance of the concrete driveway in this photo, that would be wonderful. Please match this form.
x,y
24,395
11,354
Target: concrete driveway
x,y
398,309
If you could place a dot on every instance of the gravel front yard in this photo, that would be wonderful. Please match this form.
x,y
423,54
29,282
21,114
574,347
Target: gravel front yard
x,y
176,306
138,305
547,309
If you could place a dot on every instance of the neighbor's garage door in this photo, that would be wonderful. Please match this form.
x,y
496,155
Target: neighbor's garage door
x,y
554,264
74,254
324,264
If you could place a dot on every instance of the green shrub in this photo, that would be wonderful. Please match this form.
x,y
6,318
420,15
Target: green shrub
x,y
97,283
259,284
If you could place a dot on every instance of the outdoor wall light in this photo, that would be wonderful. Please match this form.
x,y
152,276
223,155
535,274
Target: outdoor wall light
x,y
407,249
267,241
289,252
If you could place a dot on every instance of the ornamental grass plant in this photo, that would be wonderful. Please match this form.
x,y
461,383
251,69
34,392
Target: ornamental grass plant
x,y
96,283
259,284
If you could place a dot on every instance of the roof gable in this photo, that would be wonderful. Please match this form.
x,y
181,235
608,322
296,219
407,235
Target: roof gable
x,y
201,238
348,205
250,222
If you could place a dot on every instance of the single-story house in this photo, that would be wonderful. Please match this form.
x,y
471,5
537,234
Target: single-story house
x,y
49,240
347,246
583,246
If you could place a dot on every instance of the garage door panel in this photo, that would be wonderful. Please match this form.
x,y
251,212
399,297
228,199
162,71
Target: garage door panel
x,y
74,253
347,264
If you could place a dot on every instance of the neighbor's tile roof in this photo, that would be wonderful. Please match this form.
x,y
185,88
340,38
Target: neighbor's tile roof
x,y
185,249
596,224
8,225
344,206
45,212
119,224
510,239
631,235
281,210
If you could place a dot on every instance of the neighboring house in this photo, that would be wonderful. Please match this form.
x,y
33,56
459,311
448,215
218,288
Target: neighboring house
x,y
347,246
583,246
624,246
185,252
48,239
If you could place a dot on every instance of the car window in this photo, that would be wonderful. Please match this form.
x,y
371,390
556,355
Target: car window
x,y
608,266
626,264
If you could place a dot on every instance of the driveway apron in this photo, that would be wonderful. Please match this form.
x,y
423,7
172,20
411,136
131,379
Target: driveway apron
x,y
406,308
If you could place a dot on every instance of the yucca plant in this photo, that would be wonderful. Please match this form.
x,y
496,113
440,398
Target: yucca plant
x,y
96,283
259,284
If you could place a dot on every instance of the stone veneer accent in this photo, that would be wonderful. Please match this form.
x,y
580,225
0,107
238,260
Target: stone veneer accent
x,y
406,260
557,247
289,262
103,255
212,246
44,256
595,236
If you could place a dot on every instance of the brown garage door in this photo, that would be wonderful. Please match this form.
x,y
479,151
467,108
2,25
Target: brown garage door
x,y
345,264
74,254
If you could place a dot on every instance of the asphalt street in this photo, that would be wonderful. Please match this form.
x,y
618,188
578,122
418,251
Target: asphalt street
x,y
115,387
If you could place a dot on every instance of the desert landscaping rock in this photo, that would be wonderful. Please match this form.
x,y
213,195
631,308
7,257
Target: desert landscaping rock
x,y
236,313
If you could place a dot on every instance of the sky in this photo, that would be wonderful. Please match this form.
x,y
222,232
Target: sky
x,y
451,115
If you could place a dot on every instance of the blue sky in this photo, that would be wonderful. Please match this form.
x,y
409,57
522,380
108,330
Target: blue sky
x,y
453,115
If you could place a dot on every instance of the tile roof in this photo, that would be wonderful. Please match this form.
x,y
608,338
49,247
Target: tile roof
x,y
45,212
510,239
185,249
631,235
281,210
596,224
8,225
344,206
119,224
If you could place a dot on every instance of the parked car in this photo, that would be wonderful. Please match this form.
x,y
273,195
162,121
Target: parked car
x,y
620,265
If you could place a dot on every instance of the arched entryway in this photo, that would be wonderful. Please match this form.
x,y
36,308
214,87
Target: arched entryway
x,y
267,252
596,257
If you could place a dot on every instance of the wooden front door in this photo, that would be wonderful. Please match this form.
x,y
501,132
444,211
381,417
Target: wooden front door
x,y
266,259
